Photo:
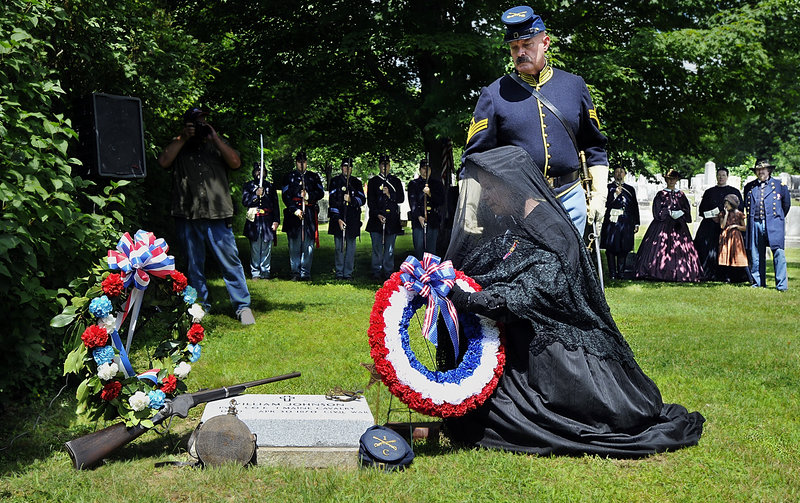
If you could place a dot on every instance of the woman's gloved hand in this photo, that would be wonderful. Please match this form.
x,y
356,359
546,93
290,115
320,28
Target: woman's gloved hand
x,y
487,304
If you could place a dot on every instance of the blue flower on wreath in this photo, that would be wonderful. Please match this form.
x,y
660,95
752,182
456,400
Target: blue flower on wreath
x,y
469,362
194,350
189,295
100,307
156,398
103,355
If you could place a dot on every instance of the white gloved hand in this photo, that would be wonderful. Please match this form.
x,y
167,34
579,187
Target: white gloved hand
x,y
597,205
676,214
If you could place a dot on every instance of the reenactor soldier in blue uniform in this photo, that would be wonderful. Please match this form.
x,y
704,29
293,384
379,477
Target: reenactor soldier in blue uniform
x,y
425,197
346,197
767,201
384,195
301,191
508,114
620,223
263,216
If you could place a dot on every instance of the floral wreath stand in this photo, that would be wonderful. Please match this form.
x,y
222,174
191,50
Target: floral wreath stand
x,y
111,387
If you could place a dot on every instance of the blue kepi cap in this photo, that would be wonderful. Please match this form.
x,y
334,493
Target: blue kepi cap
x,y
521,23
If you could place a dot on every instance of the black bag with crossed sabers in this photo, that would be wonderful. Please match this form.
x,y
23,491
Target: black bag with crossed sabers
x,y
385,449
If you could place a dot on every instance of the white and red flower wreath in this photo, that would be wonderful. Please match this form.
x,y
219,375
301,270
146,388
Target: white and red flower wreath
x,y
450,393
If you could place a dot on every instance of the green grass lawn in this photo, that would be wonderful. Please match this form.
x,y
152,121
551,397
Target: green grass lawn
x,y
728,351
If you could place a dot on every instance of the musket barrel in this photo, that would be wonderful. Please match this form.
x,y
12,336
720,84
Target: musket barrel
x,y
228,391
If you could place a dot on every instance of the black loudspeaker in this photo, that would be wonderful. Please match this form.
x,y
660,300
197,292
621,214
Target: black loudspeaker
x,y
111,135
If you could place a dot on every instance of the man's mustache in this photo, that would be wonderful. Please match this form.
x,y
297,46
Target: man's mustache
x,y
524,59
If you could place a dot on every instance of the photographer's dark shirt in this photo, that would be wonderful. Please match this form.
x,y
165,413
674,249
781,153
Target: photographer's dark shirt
x,y
200,184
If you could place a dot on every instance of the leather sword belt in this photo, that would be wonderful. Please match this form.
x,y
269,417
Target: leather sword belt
x,y
558,181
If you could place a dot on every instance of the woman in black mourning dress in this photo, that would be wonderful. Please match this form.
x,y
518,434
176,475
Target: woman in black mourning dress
x,y
570,384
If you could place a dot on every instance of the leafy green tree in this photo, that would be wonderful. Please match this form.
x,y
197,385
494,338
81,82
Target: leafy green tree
x,y
354,76
680,82
45,234
53,54
131,48
676,82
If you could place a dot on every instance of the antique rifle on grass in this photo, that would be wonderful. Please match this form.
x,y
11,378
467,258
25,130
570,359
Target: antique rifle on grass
x,y
88,450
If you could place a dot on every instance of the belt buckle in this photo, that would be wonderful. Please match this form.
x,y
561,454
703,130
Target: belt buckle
x,y
551,181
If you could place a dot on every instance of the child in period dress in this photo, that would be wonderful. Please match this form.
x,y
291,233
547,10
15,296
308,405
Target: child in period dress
x,y
731,242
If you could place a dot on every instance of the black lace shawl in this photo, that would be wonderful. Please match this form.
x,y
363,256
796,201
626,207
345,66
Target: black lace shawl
x,y
538,264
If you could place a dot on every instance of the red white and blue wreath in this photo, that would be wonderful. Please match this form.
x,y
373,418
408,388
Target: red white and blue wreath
x,y
111,387
448,393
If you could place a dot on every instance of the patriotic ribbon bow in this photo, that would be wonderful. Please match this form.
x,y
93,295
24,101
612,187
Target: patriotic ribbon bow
x,y
136,258
433,280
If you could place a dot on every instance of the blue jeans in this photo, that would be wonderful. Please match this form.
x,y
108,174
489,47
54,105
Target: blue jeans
x,y
260,258
344,257
194,235
301,254
382,254
424,245
758,257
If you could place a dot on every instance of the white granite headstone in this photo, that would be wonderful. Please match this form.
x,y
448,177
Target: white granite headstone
x,y
301,430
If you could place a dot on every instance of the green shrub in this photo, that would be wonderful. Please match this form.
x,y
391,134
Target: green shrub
x,y
46,235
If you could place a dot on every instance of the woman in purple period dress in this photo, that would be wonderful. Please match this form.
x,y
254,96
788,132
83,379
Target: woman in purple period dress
x,y
667,252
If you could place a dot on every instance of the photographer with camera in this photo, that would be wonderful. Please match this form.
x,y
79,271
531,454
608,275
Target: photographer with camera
x,y
203,209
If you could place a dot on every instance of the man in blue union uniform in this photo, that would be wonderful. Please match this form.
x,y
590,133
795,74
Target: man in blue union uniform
x,y
508,114
425,198
301,190
767,202
346,197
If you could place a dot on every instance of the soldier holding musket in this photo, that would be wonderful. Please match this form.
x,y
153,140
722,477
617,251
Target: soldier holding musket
x,y
425,197
620,224
384,195
261,225
346,197
301,191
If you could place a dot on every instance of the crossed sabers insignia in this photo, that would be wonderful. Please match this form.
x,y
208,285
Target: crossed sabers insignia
x,y
386,442
516,14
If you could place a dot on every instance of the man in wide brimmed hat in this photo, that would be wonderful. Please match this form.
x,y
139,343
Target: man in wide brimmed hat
x,y
620,223
508,113
767,201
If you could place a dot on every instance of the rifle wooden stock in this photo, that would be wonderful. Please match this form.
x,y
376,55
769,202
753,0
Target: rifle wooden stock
x,y
88,450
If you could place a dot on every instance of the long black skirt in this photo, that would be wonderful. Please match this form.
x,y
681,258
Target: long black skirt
x,y
570,402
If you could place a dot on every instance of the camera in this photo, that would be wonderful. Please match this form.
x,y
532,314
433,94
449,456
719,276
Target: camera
x,y
201,129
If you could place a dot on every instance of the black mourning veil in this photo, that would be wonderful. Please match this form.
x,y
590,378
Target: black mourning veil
x,y
498,193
